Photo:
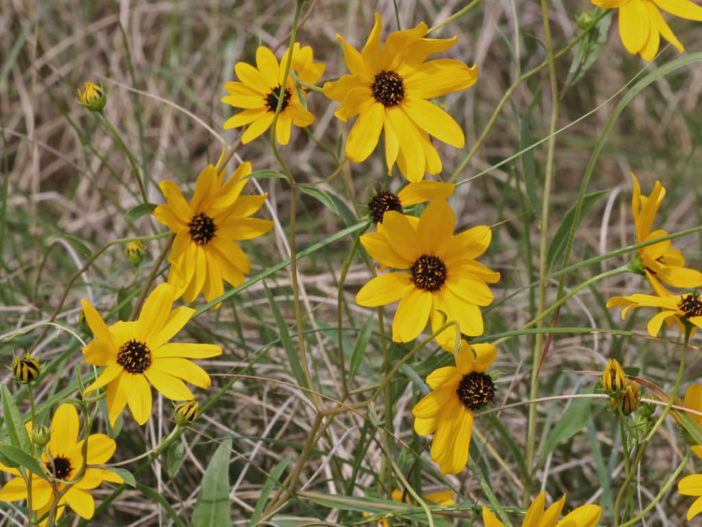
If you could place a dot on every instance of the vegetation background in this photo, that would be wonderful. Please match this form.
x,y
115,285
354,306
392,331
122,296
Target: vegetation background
x,y
67,189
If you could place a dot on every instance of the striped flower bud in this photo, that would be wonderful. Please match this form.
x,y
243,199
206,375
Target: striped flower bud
x,y
186,413
26,369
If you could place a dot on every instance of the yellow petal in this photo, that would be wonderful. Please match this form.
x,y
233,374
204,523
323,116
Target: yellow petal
x,y
585,516
246,117
175,322
490,520
695,509
691,485
116,399
435,121
384,289
551,514
185,369
535,512
155,312
422,191
107,375
267,65
438,77
187,350
441,376
681,8
171,387
365,133
411,154
138,393
80,501
377,246
14,490
371,52
412,315
253,78
634,25
175,201
96,323
402,237
65,427
100,448
435,226
257,127
282,128
468,316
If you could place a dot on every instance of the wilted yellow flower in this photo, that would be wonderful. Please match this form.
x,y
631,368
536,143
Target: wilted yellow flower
x,y
538,516
388,89
26,369
93,97
259,90
641,24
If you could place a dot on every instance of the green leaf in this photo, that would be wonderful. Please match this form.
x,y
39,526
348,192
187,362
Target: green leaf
x,y
288,345
143,209
127,476
528,166
84,249
271,481
359,349
345,212
570,423
321,196
14,421
213,507
157,496
174,457
20,458
558,243
589,49
125,306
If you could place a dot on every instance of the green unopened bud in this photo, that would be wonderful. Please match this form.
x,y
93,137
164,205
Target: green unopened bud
x,y
135,252
41,435
585,20
93,97
636,265
186,413
26,369
613,378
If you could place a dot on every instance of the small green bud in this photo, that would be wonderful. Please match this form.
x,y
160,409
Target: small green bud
x,y
41,435
585,20
186,413
26,369
135,252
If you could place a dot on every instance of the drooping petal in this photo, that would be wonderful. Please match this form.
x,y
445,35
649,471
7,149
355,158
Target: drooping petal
x,y
116,399
138,394
435,121
634,25
365,133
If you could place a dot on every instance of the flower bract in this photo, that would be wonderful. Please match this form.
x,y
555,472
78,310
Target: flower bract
x,y
538,516
65,464
388,88
138,354
258,90
205,251
641,24
447,412
438,277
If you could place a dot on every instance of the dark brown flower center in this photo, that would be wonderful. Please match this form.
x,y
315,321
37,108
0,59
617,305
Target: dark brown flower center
x,y
476,390
690,305
388,88
428,273
60,468
134,356
202,229
381,203
272,99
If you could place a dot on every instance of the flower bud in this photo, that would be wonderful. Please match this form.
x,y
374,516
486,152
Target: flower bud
x,y
93,97
630,398
135,252
26,369
585,20
41,435
186,413
613,378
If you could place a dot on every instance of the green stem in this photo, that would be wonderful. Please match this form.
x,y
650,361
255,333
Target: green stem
x,y
453,17
487,489
151,277
543,248
132,161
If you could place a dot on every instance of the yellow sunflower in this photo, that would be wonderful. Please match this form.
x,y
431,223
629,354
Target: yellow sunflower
x,y
138,353
447,412
641,24
411,194
537,516
673,308
692,486
65,463
388,89
439,278
660,261
204,251
258,90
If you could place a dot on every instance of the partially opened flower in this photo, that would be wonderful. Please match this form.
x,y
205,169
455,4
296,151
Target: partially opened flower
x,y
641,24
692,486
259,89
660,261
673,308
447,412
138,354
411,194
538,516
64,462
205,251
438,278
388,89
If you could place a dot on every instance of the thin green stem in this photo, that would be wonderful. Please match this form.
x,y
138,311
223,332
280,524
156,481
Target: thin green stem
x,y
151,278
132,161
453,17
543,248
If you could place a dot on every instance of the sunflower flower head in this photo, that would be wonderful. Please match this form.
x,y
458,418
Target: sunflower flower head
x,y
539,516
138,354
660,262
388,87
93,97
25,368
411,194
641,24
205,252
259,91
447,412
692,486
438,278
63,461
685,309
